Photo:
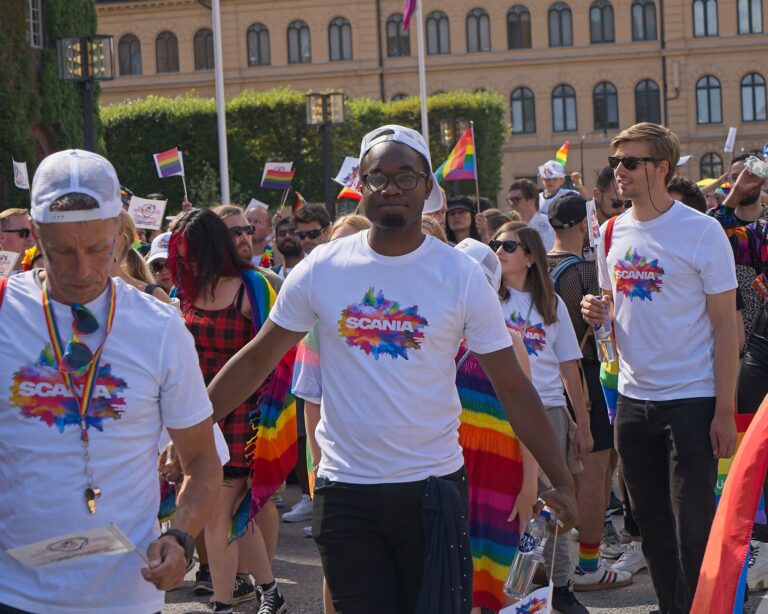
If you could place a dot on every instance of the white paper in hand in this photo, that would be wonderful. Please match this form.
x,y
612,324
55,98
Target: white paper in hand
x,y
537,602
20,175
147,213
7,262
730,141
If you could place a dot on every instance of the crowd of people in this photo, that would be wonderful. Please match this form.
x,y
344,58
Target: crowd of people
x,y
446,378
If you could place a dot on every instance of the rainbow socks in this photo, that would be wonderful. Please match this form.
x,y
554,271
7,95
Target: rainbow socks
x,y
589,556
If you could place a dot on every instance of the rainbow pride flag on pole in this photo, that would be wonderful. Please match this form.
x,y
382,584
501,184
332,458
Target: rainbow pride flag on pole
x,y
300,202
460,163
169,163
562,154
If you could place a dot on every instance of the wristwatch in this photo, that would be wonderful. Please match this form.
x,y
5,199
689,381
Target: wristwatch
x,y
185,539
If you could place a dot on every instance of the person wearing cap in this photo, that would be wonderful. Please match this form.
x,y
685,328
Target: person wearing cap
x,y
552,176
391,307
158,262
85,391
15,234
522,197
460,219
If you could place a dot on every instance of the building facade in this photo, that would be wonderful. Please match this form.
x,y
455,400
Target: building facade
x,y
576,71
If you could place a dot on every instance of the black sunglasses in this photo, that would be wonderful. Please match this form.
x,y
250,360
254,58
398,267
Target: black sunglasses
x,y
236,231
78,355
157,265
508,246
23,232
629,162
310,234
618,204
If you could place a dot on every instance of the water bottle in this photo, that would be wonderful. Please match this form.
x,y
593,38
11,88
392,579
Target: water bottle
x,y
606,348
529,553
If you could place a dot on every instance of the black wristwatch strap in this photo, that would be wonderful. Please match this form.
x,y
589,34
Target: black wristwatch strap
x,y
186,541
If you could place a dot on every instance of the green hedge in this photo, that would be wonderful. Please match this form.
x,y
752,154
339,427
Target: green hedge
x,y
271,126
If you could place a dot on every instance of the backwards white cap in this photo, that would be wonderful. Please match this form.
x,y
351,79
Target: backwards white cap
x,y
485,257
74,170
414,140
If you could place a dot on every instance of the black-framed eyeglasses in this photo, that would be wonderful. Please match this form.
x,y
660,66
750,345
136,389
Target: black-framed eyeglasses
x,y
22,232
237,231
508,246
407,180
629,162
310,234
78,355
619,204
158,265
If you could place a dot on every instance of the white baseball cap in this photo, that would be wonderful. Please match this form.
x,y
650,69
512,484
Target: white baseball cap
x,y
159,247
75,171
485,257
414,140
551,169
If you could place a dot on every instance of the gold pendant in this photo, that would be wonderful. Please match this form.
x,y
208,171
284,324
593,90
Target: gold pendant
x,y
91,494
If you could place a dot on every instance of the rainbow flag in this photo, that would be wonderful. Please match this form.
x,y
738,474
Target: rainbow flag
x,y
169,163
277,175
562,154
347,192
300,202
409,6
460,163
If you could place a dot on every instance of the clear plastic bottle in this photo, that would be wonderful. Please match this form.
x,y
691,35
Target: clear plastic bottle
x,y
529,553
606,347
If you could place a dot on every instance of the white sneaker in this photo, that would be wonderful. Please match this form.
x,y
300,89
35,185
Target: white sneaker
x,y
307,531
610,545
601,578
632,560
757,573
301,512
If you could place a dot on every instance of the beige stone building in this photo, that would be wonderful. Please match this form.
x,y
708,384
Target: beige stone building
x,y
576,70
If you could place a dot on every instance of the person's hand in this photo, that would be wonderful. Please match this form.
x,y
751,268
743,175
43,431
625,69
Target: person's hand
x,y
168,464
167,563
576,179
482,227
524,503
594,309
563,503
277,217
746,183
583,442
722,435
186,205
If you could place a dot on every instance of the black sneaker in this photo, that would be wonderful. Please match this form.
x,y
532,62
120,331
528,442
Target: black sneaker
x,y
222,608
272,602
203,583
244,590
615,505
564,601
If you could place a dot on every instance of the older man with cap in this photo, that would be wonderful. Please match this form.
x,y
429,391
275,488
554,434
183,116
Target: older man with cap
x,y
392,305
91,370
552,175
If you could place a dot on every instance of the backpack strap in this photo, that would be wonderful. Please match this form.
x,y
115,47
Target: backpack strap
x,y
565,263
609,234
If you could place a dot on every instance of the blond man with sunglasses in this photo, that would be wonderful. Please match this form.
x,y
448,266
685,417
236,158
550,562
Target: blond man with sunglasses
x,y
15,234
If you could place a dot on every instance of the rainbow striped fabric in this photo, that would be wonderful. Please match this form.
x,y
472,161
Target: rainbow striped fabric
x,y
460,163
169,163
277,178
562,154
495,471
300,202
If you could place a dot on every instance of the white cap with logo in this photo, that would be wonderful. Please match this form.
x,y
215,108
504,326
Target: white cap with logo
x,y
551,169
159,247
75,171
414,140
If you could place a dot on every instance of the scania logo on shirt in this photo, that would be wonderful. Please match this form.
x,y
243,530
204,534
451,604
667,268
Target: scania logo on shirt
x,y
379,326
638,277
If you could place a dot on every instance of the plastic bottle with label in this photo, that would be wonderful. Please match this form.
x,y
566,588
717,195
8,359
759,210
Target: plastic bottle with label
x,y
529,553
606,346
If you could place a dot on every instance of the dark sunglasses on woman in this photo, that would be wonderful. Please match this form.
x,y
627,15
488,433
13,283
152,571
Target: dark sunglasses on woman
x,y
508,246
157,265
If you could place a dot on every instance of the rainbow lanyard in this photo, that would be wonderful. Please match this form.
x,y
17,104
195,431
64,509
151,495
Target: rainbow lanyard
x,y
84,399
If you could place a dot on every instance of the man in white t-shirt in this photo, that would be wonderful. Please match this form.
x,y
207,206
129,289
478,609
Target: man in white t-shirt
x,y
669,273
73,461
522,197
391,306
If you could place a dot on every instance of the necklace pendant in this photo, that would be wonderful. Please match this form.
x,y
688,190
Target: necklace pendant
x,y
91,494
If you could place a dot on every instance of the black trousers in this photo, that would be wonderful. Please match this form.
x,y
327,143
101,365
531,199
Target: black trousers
x,y
6,609
371,542
670,474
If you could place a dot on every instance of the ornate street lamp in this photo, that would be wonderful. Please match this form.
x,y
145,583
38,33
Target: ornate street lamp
x,y
323,111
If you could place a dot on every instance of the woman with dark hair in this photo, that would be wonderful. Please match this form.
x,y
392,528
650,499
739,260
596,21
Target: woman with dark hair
x,y
218,309
460,219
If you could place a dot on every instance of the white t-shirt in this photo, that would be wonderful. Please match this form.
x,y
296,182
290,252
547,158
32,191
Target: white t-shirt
x,y
540,223
149,379
545,201
390,328
547,344
660,273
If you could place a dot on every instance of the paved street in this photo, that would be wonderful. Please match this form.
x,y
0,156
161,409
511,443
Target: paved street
x,y
297,567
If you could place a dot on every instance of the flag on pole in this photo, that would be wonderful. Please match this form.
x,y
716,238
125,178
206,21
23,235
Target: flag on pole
x,y
277,175
169,163
460,163
562,154
347,192
20,175
409,6
300,202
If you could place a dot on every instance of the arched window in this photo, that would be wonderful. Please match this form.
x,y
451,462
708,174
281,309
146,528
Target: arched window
x,y
647,102
129,53
708,102
750,13
518,28
203,49
711,166
398,40
605,101
705,17
601,22
339,40
167,52
753,98
523,105
399,96
299,44
478,31
563,109
438,33
257,43
643,20
560,25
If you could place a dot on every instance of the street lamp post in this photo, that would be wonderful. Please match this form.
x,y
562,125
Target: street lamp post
x,y
83,60
323,111
450,132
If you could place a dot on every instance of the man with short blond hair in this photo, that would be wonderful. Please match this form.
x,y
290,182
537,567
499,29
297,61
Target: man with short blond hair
x,y
15,233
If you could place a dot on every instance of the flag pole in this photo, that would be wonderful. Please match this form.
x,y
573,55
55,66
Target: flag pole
x,y
184,183
285,197
422,72
221,120
477,167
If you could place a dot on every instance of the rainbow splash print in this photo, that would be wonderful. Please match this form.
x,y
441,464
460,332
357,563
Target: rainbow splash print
x,y
39,391
534,336
638,277
381,327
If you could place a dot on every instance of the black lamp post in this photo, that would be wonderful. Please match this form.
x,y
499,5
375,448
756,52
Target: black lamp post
x,y
324,110
450,132
83,60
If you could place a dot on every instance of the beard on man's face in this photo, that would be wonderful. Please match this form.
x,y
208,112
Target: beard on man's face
x,y
290,249
393,220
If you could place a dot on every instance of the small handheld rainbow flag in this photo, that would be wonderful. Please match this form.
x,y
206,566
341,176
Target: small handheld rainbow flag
x,y
277,175
460,163
300,202
347,192
169,163
562,154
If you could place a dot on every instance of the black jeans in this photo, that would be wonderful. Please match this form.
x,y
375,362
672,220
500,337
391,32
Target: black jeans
x,y
371,542
670,474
